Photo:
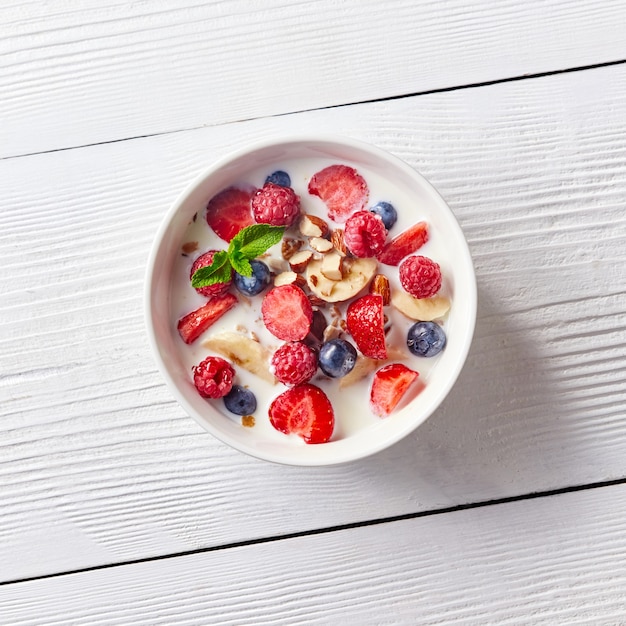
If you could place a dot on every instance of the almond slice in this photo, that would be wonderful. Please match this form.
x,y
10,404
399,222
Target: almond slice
x,y
332,266
290,246
312,226
420,309
320,244
337,238
299,261
285,278
380,286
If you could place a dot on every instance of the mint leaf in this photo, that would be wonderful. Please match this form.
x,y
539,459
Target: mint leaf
x,y
254,240
240,264
217,272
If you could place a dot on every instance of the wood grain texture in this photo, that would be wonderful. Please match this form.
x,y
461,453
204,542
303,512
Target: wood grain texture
x,y
73,75
99,465
551,561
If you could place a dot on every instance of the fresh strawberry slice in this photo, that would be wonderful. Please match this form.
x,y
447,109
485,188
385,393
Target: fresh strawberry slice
x,y
390,383
343,190
229,211
304,410
366,324
287,313
192,325
407,242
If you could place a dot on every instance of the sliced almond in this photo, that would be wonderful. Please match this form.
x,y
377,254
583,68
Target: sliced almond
x,y
312,226
380,286
285,278
299,261
290,246
338,241
320,244
420,309
332,266
357,273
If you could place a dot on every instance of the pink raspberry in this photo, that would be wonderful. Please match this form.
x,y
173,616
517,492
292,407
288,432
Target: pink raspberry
x,y
275,205
365,234
204,260
213,377
420,276
294,363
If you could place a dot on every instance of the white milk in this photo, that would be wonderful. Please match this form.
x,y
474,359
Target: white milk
x,y
351,405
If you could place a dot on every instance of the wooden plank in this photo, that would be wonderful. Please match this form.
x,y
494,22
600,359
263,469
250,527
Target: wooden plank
x,y
556,560
75,75
99,465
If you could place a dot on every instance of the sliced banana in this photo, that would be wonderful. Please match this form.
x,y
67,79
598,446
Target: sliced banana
x,y
364,366
357,273
242,351
423,310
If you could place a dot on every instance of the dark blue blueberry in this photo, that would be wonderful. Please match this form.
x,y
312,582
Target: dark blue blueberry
x,y
240,401
337,358
279,178
255,284
426,339
386,212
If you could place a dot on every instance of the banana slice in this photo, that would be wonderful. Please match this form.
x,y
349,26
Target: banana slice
x,y
364,366
357,273
242,351
423,310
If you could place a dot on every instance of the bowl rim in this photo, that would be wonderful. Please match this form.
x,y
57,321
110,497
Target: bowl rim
x,y
345,456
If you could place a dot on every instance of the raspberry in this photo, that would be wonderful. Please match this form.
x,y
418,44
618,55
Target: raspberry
x,y
420,276
275,205
213,377
365,234
294,363
204,260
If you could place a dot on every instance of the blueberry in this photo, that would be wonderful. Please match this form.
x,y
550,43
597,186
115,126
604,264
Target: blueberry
x,y
255,284
426,339
240,401
279,178
337,358
386,212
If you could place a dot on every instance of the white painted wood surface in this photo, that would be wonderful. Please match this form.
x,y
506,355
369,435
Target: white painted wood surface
x,y
548,561
80,73
99,465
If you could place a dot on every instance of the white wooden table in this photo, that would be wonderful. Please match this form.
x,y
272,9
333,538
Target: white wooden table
x,y
507,507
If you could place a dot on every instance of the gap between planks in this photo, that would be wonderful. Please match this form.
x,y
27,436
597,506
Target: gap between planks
x,y
498,81
331,529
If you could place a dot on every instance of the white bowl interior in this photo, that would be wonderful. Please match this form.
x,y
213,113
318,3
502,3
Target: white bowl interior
x,y
164,337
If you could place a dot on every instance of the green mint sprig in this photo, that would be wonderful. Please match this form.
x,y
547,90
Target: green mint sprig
x,y
247,244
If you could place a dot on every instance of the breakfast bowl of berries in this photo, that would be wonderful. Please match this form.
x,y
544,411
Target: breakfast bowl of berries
x,y
310,300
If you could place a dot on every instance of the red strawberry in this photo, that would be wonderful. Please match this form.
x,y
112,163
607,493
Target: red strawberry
x,y
192,325
229,211
389,385
405,243
304,410
366,324
287,313
343,190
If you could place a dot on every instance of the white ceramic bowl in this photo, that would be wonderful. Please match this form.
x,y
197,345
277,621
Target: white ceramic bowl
x,y
458,275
